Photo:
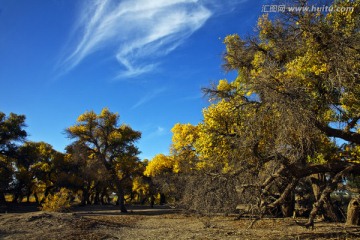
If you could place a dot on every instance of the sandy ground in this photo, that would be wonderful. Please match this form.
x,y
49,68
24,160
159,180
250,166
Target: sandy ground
x,y
106,222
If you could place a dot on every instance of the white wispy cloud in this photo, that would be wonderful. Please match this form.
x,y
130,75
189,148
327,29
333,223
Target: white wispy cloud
x,y
159,131
147,97
137,32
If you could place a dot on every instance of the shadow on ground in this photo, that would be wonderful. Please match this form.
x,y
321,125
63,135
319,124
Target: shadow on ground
x,y
115,210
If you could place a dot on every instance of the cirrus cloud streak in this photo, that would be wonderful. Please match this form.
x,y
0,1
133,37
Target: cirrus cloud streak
x,y
137,32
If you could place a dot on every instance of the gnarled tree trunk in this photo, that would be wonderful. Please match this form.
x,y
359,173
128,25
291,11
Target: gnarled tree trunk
x,y
324,197
318,183
288,207
353,212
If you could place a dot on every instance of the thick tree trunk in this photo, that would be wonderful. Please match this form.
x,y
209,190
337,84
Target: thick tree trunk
x,y
120,192
122,201
104,197
85,197
97,197
330,212
152,201
36,198
353,212
162,199
108,198
331,186
286,200
2,199
3,206
121,197
324,203
317,184
28,197
288,207
15,198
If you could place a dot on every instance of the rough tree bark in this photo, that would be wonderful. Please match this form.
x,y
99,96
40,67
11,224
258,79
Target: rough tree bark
x,y
353,212
329,211
288,207
331,186
317,184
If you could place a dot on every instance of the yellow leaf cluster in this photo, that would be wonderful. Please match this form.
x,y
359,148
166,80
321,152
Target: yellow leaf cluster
x,y
224,85
159,164
58,202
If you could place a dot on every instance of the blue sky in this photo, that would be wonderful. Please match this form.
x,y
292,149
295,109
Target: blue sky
x,y
146,60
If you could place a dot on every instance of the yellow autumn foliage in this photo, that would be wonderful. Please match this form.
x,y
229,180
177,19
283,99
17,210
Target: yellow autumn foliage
x,y
159,164
58,202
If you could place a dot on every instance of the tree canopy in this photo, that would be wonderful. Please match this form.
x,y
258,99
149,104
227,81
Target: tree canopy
x,y
11,133
291,116
110,143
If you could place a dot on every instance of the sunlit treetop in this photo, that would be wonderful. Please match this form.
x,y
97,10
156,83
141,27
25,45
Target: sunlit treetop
x,y
158,165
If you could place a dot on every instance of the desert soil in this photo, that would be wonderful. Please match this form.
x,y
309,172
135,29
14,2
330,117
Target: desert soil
x,y
106,222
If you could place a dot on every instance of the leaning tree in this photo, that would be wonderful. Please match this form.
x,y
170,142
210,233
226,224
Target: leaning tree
x,y
296,103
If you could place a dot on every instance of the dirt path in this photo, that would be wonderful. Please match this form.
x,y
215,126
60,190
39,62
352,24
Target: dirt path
x,y
106,222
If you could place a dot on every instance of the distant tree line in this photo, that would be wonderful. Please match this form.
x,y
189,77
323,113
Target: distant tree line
x,y
101,165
